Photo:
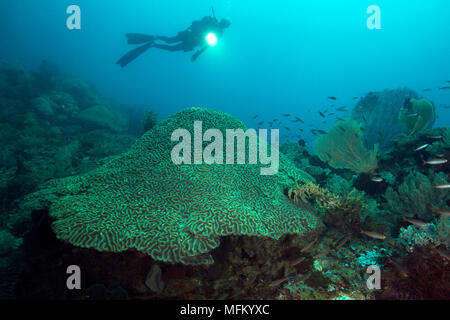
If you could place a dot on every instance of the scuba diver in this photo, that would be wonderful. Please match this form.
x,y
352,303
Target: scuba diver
x,y
187,40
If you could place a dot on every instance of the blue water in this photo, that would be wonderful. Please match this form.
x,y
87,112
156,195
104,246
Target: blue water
x,y
277,56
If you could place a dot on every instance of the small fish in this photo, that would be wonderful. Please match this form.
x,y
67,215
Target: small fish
x,y
278,282
442,186
286,115
435,137
442,253
354,98
343,108
296,262
270,123
435,161
321,131
443,212
321,114
341,243
415,222
222,297
288,129
310,245
422,147
426,90
364,118
260,123
376,179
299,120
399,268
374,235
411,115
444,88
322,254
342,128
331,114
255,116
332,98
301,130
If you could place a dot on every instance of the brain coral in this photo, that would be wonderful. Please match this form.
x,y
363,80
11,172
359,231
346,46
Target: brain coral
x,y
173,213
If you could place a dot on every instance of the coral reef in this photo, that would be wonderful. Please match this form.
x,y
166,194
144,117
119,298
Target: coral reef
x,y
414,236
439,143
443,230
373,256
338,185
42,138
8,243
141,227
150,120
245,268
40,129
99,116
416,196
423,274
342,147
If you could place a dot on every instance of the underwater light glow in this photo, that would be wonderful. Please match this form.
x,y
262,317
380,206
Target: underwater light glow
x,y
211,38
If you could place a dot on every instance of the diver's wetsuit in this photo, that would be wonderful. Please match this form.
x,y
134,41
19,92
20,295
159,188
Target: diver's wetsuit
x,y
186,40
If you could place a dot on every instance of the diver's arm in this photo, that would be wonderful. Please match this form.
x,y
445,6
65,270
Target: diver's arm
x,y
198,52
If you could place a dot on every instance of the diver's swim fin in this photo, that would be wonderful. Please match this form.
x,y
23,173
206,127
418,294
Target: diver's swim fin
x,y
137,38
133,54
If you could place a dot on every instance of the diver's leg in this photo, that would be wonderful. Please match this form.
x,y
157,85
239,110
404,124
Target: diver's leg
x,y
168,39
178,38
138,38
178,47
133,54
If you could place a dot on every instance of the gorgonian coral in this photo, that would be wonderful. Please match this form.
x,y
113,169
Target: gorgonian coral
x,y
342,147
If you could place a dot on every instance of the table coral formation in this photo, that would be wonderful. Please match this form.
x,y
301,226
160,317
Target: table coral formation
x,y
173,213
